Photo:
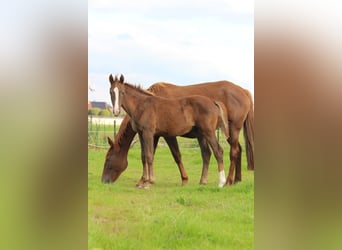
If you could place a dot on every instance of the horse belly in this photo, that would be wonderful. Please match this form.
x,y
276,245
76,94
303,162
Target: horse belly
x,y
174,124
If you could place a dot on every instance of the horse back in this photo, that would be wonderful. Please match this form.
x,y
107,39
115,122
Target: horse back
x,y
235,99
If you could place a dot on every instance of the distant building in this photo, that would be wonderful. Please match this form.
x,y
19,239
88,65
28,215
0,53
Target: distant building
x,y
100,105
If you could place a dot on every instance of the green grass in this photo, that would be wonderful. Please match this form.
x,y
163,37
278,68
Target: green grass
x,y
169,216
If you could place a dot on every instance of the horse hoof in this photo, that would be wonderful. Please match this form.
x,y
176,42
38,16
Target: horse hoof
x,y
229,183
147,186
220,185
139,185
184,182
203,182
222,179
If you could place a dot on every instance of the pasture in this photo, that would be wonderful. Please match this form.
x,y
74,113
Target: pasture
x,y
169,216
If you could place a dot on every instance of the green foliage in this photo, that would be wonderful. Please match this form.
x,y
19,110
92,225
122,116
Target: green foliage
x,y
169,216
94,111
99,112
106,113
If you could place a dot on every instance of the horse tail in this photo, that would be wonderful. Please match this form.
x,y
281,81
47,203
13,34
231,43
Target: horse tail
x,y
248,131
223,119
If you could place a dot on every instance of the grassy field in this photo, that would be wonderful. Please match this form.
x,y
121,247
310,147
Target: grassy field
x,y
169,216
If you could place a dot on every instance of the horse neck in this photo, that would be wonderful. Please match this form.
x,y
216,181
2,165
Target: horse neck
x,y
132,100
125,135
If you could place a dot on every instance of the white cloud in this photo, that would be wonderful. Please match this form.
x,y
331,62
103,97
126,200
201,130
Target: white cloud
x,y
149,42
241,6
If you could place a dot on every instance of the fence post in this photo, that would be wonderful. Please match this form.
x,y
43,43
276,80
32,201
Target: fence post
x,y
104,131
91,122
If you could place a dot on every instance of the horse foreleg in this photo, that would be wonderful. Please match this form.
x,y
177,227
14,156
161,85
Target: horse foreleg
x,y
218,152
143,179
155,143
148,151
206,154
173,145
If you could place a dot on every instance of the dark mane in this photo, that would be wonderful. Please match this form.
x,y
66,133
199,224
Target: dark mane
x,y
121,135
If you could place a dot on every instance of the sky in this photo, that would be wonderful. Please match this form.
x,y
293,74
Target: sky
x,y
180,41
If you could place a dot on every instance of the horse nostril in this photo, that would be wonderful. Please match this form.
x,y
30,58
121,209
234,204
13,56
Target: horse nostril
x,y
105,179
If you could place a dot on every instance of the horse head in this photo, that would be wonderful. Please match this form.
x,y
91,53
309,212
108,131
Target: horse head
x,y
116,91
115,163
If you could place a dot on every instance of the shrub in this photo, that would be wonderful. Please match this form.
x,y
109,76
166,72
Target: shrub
x,y
105,113
94,111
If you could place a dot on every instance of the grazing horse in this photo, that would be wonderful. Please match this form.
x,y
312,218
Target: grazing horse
x,y
238,103
158,116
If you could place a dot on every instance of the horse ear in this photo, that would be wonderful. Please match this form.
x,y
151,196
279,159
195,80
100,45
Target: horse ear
x,y
122,78
111,80
110,142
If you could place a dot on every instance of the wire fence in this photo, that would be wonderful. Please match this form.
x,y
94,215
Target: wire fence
x,y
99,128
99,131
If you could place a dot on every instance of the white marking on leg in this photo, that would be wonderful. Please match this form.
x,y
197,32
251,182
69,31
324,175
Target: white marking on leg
x,y
222,178
116,104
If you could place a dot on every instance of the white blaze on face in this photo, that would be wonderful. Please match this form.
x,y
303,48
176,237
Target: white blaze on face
x,y
116,104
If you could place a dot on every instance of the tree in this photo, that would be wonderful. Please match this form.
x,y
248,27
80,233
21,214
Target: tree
x,y
105,113
94,111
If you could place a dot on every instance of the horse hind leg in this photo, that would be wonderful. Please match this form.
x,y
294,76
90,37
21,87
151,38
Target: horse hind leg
x,y
218,152
235,158
173,145
238,176
206,154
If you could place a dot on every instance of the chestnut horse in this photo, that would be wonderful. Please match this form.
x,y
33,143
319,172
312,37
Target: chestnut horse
x,y
238,103
158,116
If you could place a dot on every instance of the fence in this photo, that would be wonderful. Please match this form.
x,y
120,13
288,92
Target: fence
x,y
101,128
